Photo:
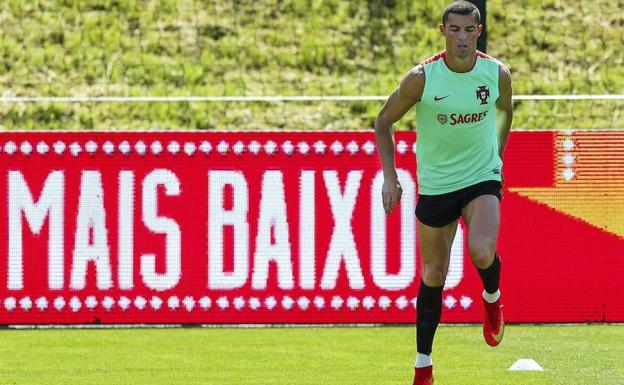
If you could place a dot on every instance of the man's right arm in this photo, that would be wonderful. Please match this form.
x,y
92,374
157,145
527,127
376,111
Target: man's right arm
x,y
400,101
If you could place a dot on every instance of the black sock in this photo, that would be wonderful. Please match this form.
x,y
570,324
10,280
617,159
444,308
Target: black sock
x,y
491,275
429,311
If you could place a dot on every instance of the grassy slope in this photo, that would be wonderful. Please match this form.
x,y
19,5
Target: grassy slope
x,y
292,47
569,354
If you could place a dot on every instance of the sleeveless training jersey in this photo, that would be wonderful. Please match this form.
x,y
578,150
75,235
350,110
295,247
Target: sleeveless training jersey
x,y
457,139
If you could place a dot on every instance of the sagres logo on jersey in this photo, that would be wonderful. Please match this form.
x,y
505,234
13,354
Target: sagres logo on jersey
x,y
483,93
442,118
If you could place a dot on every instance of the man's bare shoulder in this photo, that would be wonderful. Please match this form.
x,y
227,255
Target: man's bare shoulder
x,y
416,75
505,90
504,81
413,83
503,73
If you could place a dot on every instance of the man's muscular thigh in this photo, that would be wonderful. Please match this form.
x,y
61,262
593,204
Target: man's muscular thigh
x,y
482,218
435,249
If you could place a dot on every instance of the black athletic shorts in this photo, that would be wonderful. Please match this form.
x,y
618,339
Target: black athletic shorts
x,y
440,210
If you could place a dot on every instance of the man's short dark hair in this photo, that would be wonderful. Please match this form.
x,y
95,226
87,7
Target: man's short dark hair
x,y
462,7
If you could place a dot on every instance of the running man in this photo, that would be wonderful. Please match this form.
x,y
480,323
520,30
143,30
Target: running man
x,y
464,114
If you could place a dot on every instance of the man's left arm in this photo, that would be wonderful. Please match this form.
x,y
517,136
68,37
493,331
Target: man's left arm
x,y
504,105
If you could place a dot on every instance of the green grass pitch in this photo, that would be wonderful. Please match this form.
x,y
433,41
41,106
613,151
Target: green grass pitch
x,y
331,355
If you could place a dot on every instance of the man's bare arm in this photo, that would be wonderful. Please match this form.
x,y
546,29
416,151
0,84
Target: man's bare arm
x,y
504,105
400,101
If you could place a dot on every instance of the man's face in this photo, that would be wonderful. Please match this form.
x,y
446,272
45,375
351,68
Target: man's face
x,y
461,33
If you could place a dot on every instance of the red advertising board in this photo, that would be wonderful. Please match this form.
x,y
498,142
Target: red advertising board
x,y
289,228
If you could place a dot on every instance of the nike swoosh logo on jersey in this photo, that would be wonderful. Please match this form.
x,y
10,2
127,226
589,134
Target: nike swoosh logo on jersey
x,y
438,98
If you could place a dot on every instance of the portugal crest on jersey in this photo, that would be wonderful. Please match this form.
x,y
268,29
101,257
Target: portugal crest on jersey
x,y
483,93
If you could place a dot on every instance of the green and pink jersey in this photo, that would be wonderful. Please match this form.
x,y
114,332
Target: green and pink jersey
x,y
457,143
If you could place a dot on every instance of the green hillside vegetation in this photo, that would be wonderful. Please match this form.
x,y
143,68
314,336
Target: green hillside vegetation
x,y
288,47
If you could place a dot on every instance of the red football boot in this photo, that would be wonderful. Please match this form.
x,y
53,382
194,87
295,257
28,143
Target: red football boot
x,y
423,376
493,323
